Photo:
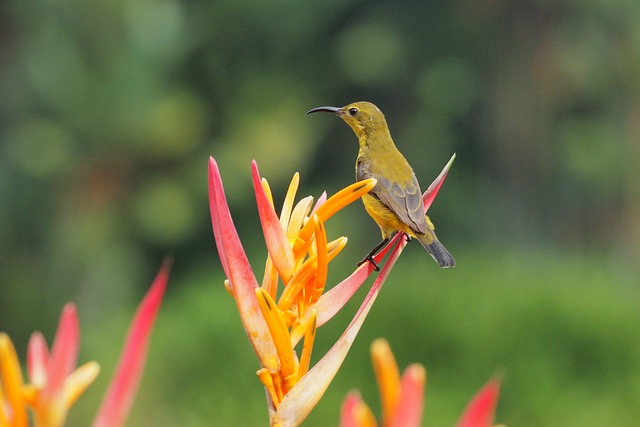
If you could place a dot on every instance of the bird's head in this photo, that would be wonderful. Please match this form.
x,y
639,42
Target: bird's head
x,y
363,117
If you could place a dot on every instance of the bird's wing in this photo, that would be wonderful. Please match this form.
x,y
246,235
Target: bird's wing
x,y
405,202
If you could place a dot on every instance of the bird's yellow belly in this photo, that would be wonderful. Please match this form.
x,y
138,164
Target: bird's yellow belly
x,y
388,222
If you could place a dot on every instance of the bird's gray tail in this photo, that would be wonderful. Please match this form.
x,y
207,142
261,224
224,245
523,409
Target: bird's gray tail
x,y
437,250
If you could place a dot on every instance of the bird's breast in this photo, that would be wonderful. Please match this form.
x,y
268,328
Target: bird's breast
x,y
386,219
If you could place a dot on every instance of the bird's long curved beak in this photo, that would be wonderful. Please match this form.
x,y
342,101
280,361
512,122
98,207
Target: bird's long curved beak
x,y
334,110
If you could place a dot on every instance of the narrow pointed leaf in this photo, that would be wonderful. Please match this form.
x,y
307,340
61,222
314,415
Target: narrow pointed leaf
x,y
239,271
216,205
64,352
480,411
332,301
117,402
432,191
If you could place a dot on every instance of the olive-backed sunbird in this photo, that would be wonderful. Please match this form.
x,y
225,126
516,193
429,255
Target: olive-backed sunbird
x,y
395,203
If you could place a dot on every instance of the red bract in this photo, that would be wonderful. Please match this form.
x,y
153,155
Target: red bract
x,y
124,383
480,411
402,398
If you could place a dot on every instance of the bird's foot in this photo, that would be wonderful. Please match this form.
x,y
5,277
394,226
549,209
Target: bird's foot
x,y
369,258
407,238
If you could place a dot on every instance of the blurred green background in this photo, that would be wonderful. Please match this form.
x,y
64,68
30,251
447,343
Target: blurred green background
x,y
110,109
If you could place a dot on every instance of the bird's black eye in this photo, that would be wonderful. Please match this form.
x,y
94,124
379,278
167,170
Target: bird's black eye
x,y
353,111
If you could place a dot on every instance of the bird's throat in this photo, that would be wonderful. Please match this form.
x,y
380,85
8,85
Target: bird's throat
x,y
376,143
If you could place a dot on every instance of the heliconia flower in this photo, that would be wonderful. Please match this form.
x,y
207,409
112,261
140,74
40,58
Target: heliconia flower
x,y
298,257
402,397
13,407
481,410
54,381
356,413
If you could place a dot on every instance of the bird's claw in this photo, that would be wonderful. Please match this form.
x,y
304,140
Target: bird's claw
x,y
407,238
370,259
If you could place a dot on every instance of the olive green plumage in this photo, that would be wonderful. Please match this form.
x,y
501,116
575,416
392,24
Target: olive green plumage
x,y
395,203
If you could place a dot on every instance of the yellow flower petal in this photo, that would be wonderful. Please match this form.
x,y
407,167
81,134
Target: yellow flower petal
x,y
279,332
334,247
275,237
322,259
300,211
228,287
287,206
267,380
304,396
270,279
277,385
267,190
79,381
365,416
301,277
30,394
336,202
307,347
344,197
12,383
356,413
388,376
317,287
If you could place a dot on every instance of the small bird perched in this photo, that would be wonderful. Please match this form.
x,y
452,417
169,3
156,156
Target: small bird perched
x,y
395,203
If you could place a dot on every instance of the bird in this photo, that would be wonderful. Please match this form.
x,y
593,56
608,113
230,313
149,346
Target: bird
x,y
395,203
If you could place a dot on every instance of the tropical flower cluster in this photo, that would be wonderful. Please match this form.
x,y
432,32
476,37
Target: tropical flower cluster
x,y
402,397
54,383
298,256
